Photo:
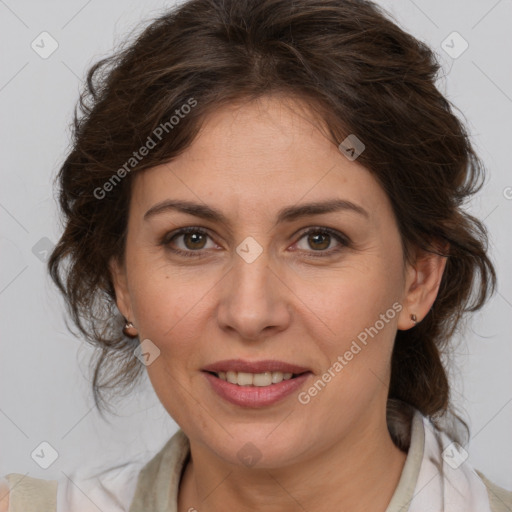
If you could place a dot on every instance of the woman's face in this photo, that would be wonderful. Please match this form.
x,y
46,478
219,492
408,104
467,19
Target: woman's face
x,y
266,278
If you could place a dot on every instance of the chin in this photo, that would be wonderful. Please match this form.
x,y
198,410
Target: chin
x,y
261,447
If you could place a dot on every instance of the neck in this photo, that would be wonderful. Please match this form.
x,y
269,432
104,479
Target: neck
x,y
359,473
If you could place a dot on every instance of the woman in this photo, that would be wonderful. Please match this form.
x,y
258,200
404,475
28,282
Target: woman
x,y
263,210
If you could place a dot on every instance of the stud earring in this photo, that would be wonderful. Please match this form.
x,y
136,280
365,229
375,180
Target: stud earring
x,y
414,319
128,330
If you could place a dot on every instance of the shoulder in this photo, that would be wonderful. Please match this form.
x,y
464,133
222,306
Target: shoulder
x,y
90,490
85,490
22,492
500,499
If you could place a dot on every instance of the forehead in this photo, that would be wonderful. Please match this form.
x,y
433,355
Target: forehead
x,y
260,155
262,136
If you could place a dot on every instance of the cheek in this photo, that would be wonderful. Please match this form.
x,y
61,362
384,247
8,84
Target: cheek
x,y
358,304
165,298
345,301
357,346
168,311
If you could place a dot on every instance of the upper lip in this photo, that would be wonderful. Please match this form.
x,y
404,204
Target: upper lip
x,y
240,365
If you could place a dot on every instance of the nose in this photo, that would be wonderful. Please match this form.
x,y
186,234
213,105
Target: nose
x,y
255,302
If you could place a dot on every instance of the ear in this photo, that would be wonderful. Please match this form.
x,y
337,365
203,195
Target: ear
x,y
120,282
423,278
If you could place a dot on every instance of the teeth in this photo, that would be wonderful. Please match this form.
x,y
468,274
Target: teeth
x,y
254,379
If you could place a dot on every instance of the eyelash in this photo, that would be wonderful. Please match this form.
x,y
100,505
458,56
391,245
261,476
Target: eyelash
x,y
343,241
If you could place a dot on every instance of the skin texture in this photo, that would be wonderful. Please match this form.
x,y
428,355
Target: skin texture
x,y
249,161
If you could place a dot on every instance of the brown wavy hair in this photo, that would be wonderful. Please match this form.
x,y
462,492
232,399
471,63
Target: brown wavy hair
x,y
358,71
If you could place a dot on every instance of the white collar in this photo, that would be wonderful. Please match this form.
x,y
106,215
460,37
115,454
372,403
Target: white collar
x,y
445,481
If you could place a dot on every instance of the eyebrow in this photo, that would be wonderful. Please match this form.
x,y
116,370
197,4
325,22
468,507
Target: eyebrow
x,y
287,214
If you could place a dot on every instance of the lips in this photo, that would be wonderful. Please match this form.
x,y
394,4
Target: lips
x,y
254,396
241,365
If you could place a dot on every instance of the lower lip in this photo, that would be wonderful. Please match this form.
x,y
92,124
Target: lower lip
x,y
255,396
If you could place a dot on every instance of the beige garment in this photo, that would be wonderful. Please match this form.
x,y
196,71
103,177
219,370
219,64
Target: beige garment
x,y
28,494
158,482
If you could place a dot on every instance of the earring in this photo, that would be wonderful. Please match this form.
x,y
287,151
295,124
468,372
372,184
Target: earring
x,y
414,319
128,330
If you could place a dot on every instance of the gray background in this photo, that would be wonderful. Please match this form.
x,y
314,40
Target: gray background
x,y
44,391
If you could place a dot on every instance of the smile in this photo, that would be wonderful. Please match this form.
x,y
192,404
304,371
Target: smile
x,y
250,393
254,379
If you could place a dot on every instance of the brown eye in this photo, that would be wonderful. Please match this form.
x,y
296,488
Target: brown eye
x,y
189,241
321,240
194,240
